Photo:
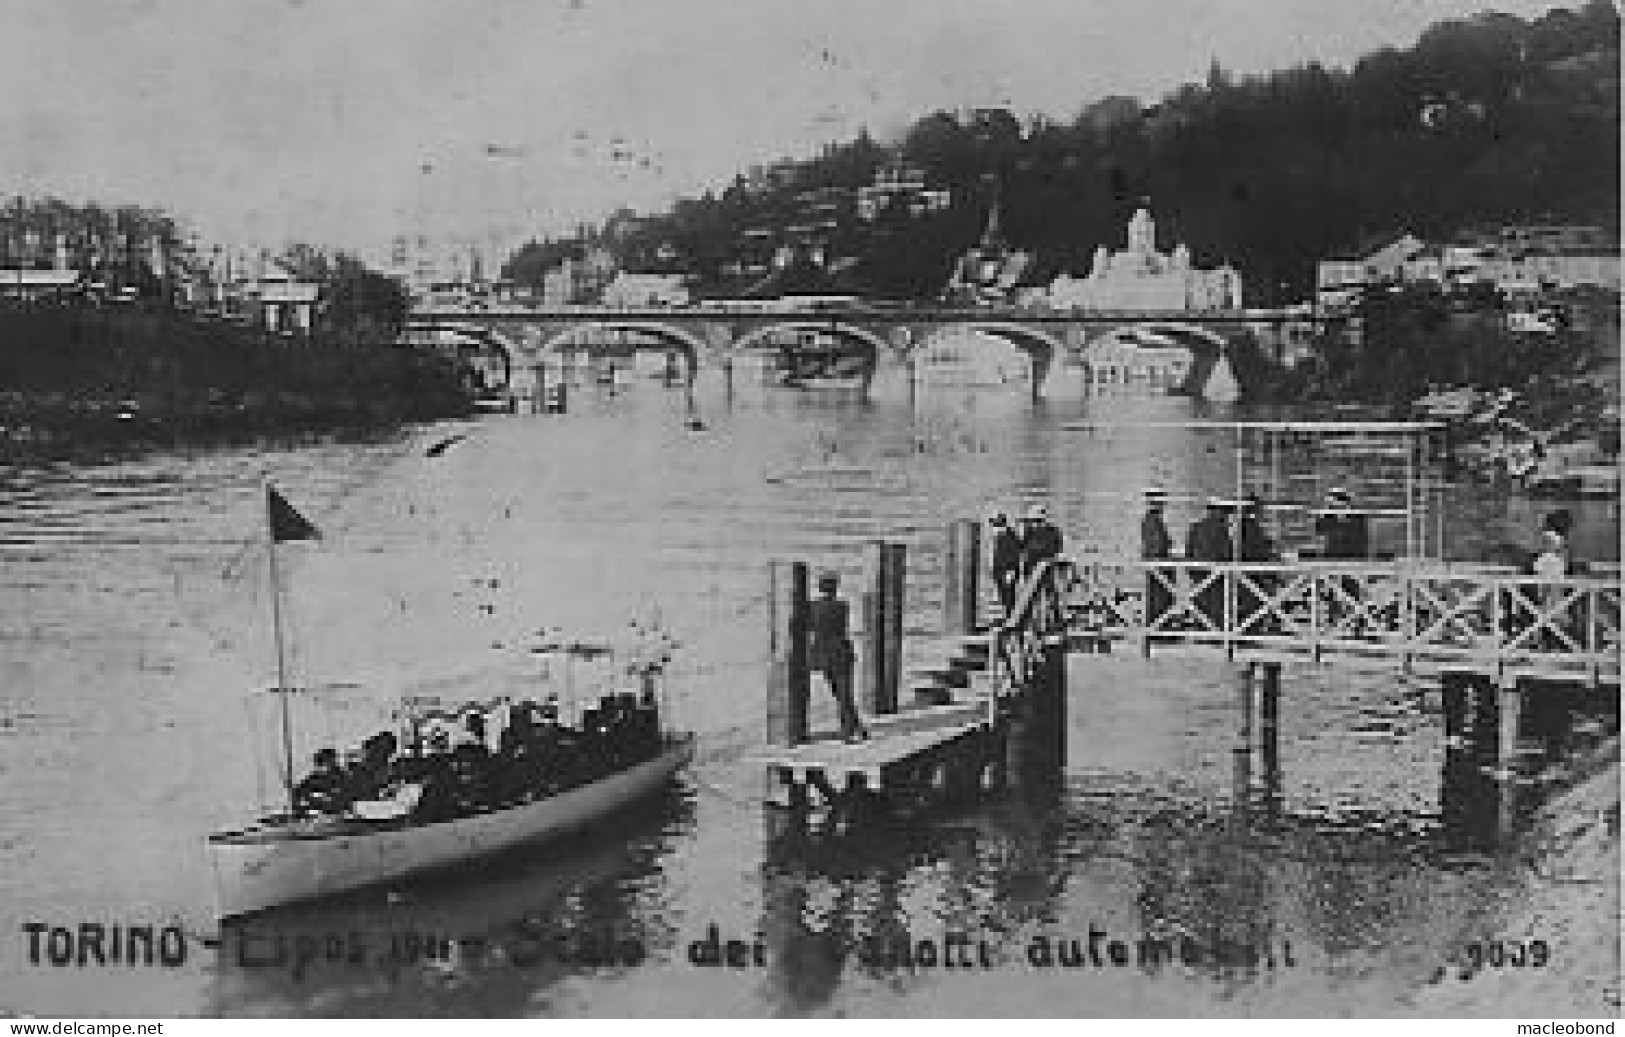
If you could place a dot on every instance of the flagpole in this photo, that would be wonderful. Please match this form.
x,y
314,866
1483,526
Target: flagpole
x,y
283,691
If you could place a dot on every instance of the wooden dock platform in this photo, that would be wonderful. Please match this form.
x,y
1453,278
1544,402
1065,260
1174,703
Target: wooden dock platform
x,y
897,742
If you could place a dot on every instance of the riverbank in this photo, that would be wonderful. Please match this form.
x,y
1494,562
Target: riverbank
x,y
1565,898
95,380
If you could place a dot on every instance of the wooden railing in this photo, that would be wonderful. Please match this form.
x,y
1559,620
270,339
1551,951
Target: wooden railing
x,y
1037,622
1493,622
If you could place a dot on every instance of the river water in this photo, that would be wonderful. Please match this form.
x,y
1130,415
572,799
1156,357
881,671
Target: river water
x,y
133,619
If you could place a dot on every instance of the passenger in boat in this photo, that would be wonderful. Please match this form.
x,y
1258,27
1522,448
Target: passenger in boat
x,y
646,713
474,724
830,652
556,757
441,798
1005,562
593,758
514,763
367,771
322,791
472,778
631,732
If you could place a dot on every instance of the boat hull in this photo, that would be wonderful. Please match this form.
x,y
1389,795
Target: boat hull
x,y
255,874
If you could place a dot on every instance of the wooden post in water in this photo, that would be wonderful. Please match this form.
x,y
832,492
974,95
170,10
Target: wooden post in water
x,y
1035,742
1509,702
788,678
874,693
893,567
538,399
1453,695
1269,726
1243,749
962,566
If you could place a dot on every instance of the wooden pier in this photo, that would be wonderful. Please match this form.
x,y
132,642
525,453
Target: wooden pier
x,y
989,711
985,710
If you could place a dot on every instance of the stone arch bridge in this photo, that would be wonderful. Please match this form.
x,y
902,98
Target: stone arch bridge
x,y
515,340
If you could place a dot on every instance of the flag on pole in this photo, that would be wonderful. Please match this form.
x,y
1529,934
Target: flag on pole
x,y
286,522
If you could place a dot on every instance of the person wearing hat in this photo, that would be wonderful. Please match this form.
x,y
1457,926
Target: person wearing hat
x,y
322,790
830,652
1253,545
1208,540
1343,534
1005,562
1155,545
1040,539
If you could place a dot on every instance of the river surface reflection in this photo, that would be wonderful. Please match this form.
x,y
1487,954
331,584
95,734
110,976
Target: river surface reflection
x,y
132,619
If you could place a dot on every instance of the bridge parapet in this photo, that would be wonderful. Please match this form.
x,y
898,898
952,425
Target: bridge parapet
x,y
1498,624
898,314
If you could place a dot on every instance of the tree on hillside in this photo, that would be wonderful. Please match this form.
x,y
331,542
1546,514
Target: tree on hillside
x,y
358,305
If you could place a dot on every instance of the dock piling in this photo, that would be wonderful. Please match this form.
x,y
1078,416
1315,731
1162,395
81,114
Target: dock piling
x,y
788,676
962,562
1269,726
882,611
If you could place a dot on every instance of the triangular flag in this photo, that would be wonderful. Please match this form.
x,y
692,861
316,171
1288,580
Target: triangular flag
x,y
286,522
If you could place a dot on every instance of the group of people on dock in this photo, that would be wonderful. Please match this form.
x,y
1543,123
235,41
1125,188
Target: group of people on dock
x,y
458,768
1017,551
1231,530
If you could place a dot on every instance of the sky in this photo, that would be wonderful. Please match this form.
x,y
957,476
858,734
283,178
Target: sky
x,y
341,122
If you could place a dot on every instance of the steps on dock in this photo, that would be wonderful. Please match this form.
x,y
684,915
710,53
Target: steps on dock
x,y
949,667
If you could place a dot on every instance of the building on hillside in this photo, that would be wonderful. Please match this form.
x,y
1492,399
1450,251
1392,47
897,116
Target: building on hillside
x,y
1521,261
1388,262
1424,266
1340,282
805,277
1555,268
18,283
903,185
579,281
1141,278
631,291
990,272
277,300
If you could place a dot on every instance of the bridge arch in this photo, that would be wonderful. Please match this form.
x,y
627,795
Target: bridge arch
x,y
1195,331
690,345
486,351
870,344
1159,356
1042,347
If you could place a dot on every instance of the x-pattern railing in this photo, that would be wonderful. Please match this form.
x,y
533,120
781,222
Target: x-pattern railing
x,y
1488,620
1037,623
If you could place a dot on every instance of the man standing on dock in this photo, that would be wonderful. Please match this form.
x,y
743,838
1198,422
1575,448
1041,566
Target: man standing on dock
x,y
830,652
